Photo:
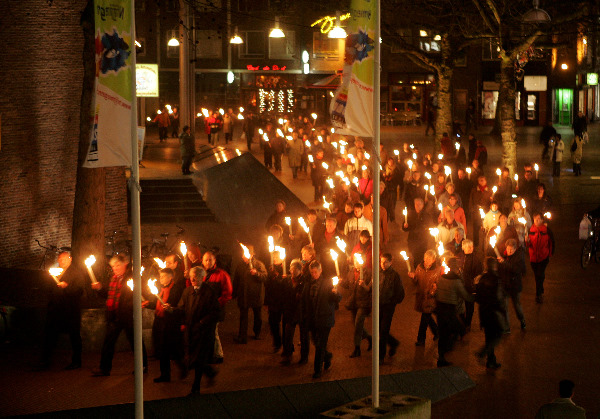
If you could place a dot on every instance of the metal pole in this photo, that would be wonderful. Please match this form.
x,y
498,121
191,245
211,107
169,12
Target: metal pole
x,y
136,251
192,70
184,64
376,229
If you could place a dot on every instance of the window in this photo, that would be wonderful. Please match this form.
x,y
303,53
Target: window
x,y
209,44
429,42
282,48
489,101
254,45
325,48
253,5
490,49
172,52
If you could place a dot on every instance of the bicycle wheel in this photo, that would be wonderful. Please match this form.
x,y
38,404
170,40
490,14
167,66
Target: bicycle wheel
x,y
586,253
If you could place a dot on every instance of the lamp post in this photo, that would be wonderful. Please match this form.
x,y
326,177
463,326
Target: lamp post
x,y
186,66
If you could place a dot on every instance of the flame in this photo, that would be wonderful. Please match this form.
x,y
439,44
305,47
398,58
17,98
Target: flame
x,y
335,280
440,249
341,244
310,158
426,187
427,175
241,109
333,254
447,170
335,145
494,189
493,240
440,156
325,203
457,146
240,116
409,163
314,115
288,221
432,191
279,132
330,182
55,271
481,213
498,171
412,146
536,167
271,244
548,215
404,255
152,286
303,224
280,120
320,138
260,131
414,156
396,152
325,165
90,261
352,159
281,251
238,152
405,211
446,268
333,130
434,231
516,177
364,167
265,137
355,181
440,206
246,251
205,112
290,130
183,248
367,155
221,111
340,174
523,221
307,143
160,263
130,284
498,229
468,170
359,258
523,203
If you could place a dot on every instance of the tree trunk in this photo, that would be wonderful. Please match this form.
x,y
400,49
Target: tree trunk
x,y
443,122
88,212
506,107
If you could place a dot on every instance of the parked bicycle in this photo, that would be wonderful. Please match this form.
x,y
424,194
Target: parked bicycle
x,y
591,247
50,254
160,248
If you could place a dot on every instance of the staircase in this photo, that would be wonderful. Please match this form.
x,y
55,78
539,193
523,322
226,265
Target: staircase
x,y
172,200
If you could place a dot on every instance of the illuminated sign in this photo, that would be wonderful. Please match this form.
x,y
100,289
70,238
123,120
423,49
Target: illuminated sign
x,y
592,79
328,22
266,68
146,80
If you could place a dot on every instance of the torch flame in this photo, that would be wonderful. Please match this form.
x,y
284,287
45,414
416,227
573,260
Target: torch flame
x,y
536,167
446,268
548,215
130,284
396,152
523,203
279,132
447,170
303,224
341,244
516,177
404,255
183,248
205,112
55,271
481,213
246,251
288,221
441,249
330,182
498,229
427,175
151,286
457,146
493,240
333,254
160,263
498,171
434,231
440,156
325,165
271,244
90,261
522,220
335,280
494,189
405,211
314,115
409,163
359,258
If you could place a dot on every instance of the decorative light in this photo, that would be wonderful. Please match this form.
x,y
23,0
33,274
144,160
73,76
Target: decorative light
x,y
236,39
423,33
230,77
437,38
327,22
564,66
276,32
173,42
305,56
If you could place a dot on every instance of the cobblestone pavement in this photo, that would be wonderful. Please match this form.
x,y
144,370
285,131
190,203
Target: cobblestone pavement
x,y
560,340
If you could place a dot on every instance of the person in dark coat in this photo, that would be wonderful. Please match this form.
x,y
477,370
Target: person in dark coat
x,y
542,202
391,293
471,266
417,223
527,185
248,128
278,217
249,289
64,313
481,197
198,310
119,313
358,281
491,310
291,296
547,134
166,333
174,262
579,124
278,148
511,270
327,241
325,298
425,277
318,174
274,300
187,145
306,304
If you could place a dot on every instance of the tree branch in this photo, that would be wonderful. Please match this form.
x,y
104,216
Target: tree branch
x,y
483,15
492,6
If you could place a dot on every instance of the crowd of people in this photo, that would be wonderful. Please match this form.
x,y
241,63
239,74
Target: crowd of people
x,y
469,230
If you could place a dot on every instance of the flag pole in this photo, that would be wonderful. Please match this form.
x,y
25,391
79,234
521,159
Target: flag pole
x,y
134,189
376,183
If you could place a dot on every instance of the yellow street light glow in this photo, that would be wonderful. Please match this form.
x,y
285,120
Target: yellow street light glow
x,y
173,42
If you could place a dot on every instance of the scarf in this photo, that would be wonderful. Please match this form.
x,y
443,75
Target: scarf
x,y
114,293
482,188
164,295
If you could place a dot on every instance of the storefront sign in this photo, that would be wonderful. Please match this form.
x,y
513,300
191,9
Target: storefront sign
x,y
535,83
592,79
146,80
275,67
491,85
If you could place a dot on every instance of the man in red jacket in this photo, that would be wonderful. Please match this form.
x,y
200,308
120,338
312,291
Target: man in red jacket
x,y
540,242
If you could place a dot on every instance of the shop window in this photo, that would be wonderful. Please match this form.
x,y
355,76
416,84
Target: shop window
x,y
490,49
406,98
324,47
276,101
429,42
489,101
282,48
518,106
209,44
253,5
254,45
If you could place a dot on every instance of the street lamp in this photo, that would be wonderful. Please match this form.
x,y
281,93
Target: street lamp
x,y
564,66
236,39
276,32
536,15
337,32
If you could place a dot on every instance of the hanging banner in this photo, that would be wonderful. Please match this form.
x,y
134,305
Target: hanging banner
x,y
110,138
352,106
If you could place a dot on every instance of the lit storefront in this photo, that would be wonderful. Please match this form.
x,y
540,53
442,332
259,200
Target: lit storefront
x,y
269,93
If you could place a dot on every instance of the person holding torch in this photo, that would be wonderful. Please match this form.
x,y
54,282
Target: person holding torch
x,y
391,293
119,313
64,313
166,333
358,281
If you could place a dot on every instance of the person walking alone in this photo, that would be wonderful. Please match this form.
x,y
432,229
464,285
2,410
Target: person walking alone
x,y
187,147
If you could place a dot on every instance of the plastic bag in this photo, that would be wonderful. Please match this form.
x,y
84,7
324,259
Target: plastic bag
x,y
585,227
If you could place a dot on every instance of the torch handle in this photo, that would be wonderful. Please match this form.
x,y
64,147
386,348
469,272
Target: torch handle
x,y
408,266
497,252
92,276
337,268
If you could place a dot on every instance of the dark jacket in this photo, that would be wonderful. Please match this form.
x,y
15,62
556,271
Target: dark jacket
x,y
489,297
360,294
274,289
64,304
325,301
471,268
391,290
249,289
166,333
426,282
512,270
187,144
199,312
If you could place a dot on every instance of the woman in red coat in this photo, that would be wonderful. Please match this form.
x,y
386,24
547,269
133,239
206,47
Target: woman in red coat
x,y
541,246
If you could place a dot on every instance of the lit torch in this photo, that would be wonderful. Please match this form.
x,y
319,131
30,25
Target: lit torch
x,y
434,232
499,173
481,213
247,255
548,215
288,221
405,213
440,248
493,240
405,257
305,228
55,273
360,261
153,289
281,251
160,263
88,264
335,281
271,248
183,250
341,244
536,168
468,169
334,256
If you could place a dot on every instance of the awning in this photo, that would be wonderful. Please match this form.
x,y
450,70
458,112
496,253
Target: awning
x,y
331,82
